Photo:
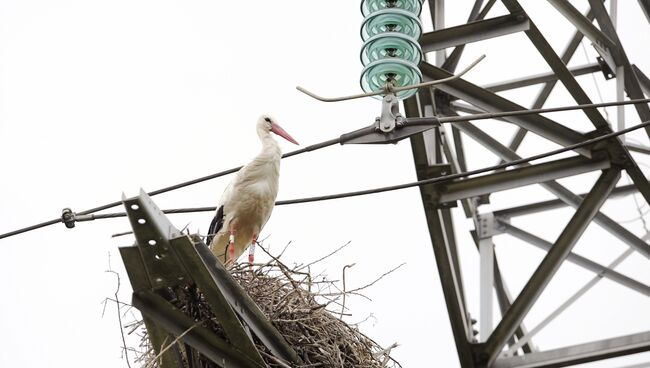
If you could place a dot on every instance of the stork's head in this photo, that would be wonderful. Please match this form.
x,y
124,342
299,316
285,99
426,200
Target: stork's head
x,y
267,123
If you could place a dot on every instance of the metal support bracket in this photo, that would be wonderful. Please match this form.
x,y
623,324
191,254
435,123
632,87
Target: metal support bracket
x,y
163,260
487,226
390,127
608,73
430,192
390,115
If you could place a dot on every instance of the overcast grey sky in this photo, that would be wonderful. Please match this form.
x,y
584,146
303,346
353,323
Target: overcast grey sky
x,y
99,98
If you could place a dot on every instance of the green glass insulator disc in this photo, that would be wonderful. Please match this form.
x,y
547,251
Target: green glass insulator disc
x,y
391,21
371,6
398,72
391,46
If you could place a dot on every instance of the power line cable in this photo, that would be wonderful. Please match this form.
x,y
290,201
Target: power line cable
x,y
412,121
312,147
399,186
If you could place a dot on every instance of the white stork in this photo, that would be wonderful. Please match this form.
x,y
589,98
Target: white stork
x,y
247,202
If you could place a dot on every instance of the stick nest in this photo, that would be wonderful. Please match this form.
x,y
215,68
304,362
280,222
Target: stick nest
x,y
299,306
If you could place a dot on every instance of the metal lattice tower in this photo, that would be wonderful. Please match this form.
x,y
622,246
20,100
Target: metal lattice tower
x,y
506,342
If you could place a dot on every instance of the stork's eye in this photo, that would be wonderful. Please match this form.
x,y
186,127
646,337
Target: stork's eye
x,y
268,120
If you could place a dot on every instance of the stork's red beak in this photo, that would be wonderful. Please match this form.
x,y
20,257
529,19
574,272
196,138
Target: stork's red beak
x,y
275,128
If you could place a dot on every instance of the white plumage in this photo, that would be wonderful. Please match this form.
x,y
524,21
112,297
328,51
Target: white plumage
x,y
248,201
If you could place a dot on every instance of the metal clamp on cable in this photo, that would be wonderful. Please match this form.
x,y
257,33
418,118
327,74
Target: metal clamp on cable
x,y
68,218
402,128
389,113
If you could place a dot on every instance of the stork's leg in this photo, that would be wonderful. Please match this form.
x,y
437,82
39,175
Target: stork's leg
x,y
251,251
230,249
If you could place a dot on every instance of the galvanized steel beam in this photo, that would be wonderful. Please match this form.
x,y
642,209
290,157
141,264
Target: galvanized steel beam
x,y
633,88
486,282
633,147
491,102
550,264
188,331
188,262
632,85
450,287
246,308
505,301
576,259
644,81
140,281
437,11
552,204
561,192
473,32
545,92
480,355
449,273
582,353
541,78
583,24
567,303
645,6
558,66
452,61
518,177
455,164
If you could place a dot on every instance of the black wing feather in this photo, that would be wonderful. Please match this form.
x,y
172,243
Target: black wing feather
x,y
215,225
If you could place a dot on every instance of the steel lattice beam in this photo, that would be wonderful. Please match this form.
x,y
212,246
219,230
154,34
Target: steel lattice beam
x,y
577,259
473,32
492,102
541,78
519,177
612,157
577,354
550,264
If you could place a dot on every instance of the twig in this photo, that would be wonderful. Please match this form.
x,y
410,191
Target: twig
x,y
119,314
343,301
176,340
376,280
322,258
283,250
386,354
277,360
121,234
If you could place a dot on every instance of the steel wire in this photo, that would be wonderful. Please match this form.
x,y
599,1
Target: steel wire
x,y
331,142
398,186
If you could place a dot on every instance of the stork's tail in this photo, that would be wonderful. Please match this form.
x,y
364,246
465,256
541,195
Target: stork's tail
x,y
215,226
